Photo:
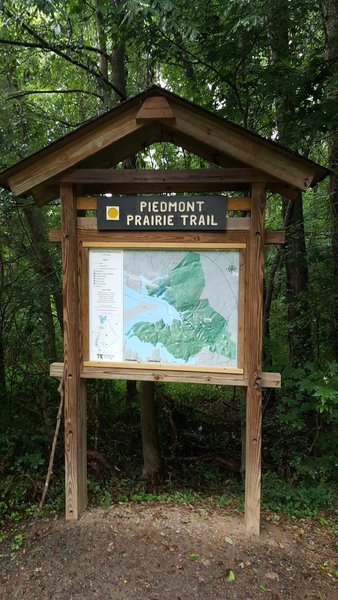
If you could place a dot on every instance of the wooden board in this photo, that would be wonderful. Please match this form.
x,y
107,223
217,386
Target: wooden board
x,y
137,180
232,141
200,148
209,154
236,236
271,380
253,352
74,387
80,148
168,245
156,107
176,368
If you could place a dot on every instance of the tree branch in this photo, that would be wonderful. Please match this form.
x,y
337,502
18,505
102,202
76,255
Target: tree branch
x,y
52,452
202,62
46,46
73,47
31,92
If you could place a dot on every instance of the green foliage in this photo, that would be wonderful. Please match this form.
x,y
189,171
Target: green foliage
x,y
192,557
299,439
228,57
299,499
322,387
17,542
307,389
18,493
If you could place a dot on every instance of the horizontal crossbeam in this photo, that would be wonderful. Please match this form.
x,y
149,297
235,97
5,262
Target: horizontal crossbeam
x,y
269,380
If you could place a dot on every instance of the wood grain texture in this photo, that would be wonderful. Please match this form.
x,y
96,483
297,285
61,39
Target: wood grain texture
x,y
74,390
168,245
156,107
92,235
144,178
49,190
152,367
125,147
254,363
216,157
80,148
272,380
234,236
236,143
200,148
274,238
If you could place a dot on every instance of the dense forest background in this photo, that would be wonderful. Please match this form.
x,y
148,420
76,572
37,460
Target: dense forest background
x,y
271,66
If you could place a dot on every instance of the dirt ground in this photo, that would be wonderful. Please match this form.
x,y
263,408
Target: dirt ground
x,y
158,551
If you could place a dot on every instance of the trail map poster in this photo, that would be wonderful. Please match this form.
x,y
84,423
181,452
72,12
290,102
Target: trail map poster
x,y
164,307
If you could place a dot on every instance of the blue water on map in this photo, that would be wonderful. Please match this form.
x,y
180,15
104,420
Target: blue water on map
x,y
154,310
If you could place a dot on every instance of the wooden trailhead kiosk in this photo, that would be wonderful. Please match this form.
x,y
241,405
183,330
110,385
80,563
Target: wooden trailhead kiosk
x,y
106,239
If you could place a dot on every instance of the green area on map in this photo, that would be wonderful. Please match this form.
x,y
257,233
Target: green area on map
x,y
200,327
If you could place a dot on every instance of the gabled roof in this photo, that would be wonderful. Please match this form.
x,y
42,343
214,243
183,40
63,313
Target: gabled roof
x,y
157,115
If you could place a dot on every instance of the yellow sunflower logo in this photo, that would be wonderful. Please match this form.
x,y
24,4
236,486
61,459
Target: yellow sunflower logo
x,y
112,213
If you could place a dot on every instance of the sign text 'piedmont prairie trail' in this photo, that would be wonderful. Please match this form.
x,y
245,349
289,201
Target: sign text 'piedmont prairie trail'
x,y
175,213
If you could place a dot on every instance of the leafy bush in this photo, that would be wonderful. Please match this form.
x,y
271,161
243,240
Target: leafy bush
x,y
302,499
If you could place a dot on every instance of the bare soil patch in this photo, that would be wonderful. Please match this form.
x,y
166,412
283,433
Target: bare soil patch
x,y
158,551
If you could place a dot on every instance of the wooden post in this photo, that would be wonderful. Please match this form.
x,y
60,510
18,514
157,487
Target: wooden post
x,y
254,362
74,387
150,441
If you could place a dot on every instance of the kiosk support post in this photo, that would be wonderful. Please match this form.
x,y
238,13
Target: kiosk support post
x,y
254,362
74,387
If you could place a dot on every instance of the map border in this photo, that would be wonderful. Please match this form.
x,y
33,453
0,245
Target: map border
x,y
127,366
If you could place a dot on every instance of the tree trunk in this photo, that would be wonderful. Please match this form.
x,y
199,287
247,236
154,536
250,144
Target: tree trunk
x,y
101,34
2,369
119,65
49,287
269,290
297,283
131,395
333,194
2,318
297,277
150,443
331,35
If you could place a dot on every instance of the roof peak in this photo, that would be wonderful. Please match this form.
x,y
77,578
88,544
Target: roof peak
x,y
136,123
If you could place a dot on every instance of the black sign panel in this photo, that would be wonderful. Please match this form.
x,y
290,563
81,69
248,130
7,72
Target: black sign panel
x,y
169,213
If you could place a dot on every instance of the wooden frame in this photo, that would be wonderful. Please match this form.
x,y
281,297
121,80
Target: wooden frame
x,y
180,372
248,236
269,380
245,234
